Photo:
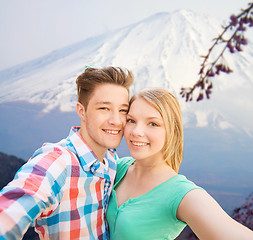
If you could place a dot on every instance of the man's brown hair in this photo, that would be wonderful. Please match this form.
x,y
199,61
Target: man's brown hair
x,y
92,77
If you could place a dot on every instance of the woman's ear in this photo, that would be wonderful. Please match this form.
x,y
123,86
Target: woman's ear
x,y
80,110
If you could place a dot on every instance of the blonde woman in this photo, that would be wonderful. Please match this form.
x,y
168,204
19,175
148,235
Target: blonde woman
x,y
150,200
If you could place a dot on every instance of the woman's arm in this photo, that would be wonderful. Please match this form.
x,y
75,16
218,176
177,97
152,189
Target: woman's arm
x,y
208,220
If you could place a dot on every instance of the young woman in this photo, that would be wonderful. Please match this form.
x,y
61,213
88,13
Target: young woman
x,y
150,200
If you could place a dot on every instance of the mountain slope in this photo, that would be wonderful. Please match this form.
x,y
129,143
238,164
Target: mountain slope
x,y
37,99
163,50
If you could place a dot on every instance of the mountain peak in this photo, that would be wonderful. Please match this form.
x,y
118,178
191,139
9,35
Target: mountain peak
x,y
162,51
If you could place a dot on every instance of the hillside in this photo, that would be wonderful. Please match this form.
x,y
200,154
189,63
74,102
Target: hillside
x,y
9,166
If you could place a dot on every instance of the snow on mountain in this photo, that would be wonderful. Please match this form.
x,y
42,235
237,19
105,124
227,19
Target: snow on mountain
x,y
163,50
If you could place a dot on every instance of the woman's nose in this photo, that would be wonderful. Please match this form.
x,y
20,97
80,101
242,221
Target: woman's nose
x,y
138,130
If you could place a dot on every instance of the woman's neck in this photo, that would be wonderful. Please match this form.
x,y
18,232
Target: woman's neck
x,y
142,168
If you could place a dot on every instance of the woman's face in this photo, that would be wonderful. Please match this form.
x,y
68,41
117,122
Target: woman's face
x,y
145,131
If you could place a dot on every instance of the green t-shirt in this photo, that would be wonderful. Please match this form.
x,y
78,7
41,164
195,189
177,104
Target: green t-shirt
x,y
151,215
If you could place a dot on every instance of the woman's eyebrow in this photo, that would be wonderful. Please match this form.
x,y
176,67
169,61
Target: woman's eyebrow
x,y
148,118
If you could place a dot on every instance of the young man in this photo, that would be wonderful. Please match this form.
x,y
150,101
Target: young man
x,y
64,188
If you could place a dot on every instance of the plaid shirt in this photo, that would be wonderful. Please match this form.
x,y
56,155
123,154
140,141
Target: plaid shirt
x,y
63,190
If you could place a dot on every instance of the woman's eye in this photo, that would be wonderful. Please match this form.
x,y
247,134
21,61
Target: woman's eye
x,y
130,120
153,124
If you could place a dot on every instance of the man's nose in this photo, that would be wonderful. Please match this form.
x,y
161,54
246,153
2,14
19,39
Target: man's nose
x,y
116,118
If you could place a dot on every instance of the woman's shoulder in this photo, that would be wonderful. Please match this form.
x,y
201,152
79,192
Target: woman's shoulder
x,y
178,186
122,165
177,189
124,162
182,182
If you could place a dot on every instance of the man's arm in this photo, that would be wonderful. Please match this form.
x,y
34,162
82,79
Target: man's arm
x,y
32,193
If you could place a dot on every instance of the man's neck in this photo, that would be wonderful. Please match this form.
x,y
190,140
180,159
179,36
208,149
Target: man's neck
x,y
99,151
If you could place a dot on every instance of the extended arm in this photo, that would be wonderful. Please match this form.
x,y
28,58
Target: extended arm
x,y
208,220
34,192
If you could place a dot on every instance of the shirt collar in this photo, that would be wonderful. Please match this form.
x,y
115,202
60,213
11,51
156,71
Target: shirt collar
x,y
87,157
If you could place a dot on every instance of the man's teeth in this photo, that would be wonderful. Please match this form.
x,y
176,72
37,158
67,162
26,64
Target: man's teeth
x,y
139,144
112,131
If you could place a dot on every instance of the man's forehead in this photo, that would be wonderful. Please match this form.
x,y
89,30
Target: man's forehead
x,y
110,94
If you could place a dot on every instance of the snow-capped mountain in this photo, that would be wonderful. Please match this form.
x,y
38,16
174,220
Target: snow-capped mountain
x,y
37,98
163,50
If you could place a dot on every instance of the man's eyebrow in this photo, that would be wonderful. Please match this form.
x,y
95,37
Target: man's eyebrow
x,y
109,103
103,102
125,105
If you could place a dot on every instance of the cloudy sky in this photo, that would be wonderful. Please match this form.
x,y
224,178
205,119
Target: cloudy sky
x,y
33,28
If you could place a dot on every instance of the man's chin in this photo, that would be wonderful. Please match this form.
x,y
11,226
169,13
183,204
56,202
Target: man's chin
x,y
114,145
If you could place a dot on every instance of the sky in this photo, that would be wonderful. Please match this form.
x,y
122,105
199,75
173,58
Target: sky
x,y
33,28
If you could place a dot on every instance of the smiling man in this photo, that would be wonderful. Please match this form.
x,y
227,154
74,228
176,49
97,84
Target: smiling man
x,y
64,188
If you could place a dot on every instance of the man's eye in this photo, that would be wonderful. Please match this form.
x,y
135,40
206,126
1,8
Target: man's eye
x,y
124,111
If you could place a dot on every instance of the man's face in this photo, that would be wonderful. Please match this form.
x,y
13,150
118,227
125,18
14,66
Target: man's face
x,y
105,117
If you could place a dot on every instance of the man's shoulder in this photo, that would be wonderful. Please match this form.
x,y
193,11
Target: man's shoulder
x,y
53,152
49,147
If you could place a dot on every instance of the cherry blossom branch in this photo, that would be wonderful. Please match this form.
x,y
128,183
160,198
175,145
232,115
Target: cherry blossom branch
x,y
209,69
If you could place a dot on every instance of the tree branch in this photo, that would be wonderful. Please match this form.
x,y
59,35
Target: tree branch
x,y
210,69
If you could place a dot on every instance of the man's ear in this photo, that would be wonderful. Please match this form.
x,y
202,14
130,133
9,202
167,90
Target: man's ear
x,y
80,110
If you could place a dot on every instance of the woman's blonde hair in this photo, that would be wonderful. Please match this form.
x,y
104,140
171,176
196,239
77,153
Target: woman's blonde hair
x,y
167,105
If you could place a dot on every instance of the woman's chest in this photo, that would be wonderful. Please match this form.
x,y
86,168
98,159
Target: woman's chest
x,y
132,188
